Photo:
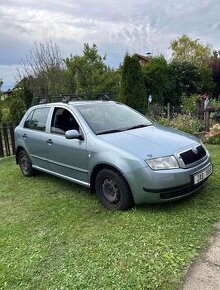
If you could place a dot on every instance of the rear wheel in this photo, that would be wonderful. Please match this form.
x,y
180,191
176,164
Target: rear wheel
x,y
112,190
25,163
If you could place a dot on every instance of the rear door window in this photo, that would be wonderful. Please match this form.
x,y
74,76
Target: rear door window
x,y
37,119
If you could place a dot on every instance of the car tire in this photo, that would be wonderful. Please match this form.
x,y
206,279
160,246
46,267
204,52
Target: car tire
x,y
112,190
25,163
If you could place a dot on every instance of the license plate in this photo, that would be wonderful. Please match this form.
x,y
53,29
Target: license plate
x,y
202,174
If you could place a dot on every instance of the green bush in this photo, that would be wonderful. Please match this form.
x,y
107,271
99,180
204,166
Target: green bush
x,y
184,123
5,115
215,104
189,103
213,136
163,121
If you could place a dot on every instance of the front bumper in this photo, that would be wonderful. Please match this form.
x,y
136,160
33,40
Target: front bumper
x,y
164,185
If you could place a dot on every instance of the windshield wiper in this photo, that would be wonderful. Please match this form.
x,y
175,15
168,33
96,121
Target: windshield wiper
x,y
137,126
110,131
124,129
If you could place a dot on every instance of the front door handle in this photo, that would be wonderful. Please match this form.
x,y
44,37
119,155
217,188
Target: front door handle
x,y
50,141
24,136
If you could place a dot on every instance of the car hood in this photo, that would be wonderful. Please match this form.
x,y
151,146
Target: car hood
x,y
150,142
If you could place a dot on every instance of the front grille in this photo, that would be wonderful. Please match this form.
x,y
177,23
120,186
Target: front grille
x,y
191,156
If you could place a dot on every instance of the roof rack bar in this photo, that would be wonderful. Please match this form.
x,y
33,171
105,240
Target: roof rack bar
x,y
79,97
65,98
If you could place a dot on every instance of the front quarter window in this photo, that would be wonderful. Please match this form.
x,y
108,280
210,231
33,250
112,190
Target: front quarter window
x,y
62,121
37,119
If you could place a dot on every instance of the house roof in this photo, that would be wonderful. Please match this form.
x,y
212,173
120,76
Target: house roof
x,y
143,57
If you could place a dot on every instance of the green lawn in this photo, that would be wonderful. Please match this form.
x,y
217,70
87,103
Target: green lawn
x,y
55,235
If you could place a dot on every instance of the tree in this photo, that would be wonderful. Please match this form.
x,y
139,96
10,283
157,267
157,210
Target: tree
x,y
89,74
13,107
22,90
206,82
1,83
16,109
44,69
185,78
185,49
215,67
157,76
133,92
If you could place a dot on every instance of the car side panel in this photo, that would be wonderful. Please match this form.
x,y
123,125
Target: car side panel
x,y
68,157
35,144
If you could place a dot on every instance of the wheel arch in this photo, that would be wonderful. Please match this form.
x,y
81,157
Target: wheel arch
x,y
98,168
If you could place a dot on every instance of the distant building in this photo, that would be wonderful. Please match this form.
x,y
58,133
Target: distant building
x,y
143,60
5,95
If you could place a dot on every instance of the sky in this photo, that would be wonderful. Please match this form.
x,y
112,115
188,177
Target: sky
x,y
115,26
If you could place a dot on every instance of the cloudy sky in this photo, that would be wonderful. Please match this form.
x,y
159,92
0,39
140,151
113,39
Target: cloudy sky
x,y
116,26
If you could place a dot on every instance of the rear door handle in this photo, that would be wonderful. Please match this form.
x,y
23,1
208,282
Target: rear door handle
x,y
50,141
24,136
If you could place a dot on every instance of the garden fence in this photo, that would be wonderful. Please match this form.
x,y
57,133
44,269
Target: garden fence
x,y
7,140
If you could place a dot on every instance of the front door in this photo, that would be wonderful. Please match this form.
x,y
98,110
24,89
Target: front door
x,y
67,157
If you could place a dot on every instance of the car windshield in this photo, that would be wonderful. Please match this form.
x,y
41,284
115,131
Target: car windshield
x,y
110,117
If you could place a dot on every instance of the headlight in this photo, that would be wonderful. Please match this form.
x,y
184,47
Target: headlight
x,y
161,163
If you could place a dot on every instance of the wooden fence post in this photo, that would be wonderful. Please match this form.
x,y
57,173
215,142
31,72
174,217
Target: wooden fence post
x,y
1,144
12,137
168,111
207,120
7,140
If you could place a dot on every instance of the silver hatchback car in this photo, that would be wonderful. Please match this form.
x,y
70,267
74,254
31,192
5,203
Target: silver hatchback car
x,y
114,150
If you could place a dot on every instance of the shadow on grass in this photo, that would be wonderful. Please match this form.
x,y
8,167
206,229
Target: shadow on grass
x,y
68,187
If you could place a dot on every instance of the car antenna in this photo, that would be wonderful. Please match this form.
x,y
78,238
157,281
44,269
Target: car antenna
x,y
43,101
106,98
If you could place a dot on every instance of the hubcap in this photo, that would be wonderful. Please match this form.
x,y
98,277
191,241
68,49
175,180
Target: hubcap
x,y
110,191
24,162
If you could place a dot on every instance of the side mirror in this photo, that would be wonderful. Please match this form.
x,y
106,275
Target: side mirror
x,y
73,134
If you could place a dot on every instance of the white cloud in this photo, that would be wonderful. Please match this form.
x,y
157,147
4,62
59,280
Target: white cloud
x,y
115,26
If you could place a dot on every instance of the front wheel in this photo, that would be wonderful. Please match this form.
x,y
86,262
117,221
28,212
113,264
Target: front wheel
x,y
112,190
25,163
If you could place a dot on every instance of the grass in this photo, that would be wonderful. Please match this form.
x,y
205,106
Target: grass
x,y
55,235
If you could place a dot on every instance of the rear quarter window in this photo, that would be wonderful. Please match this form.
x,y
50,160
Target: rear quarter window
x,y
37,119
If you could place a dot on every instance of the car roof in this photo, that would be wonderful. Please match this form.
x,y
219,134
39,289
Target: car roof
x,y
90,102
75,103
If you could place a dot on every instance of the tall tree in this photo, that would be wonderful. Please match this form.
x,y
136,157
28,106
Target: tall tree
x,y
90,74
186,49
215,67
157,75
133,92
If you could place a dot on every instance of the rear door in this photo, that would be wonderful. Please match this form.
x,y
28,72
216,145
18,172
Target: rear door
x,y
34,136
